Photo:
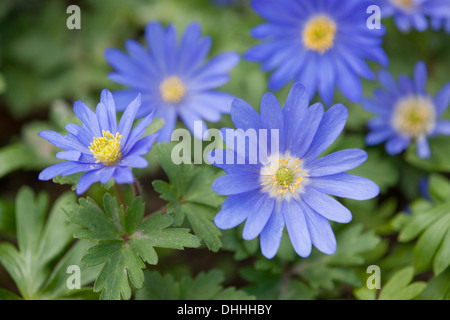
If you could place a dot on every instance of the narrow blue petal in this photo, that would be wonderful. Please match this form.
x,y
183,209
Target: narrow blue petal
x,y
244,116
126,122
134,162
322,236
397,144
442,100
272,117
302,139
88,117
106,174
331,126
87,180
442,127
294,111
423,148
297,229
326,206
107,99
420,77
63,142
123,175
123,98
345,185
71,155
143,146
236,209
337,162
137,132
272,233
258,217
236,183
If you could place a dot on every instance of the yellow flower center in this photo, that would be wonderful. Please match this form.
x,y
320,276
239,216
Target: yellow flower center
x,y
172,89
319,34
414,116
282,177
106,149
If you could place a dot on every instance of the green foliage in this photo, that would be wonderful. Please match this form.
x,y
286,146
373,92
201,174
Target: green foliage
x,y
205,286
38,265
46,67
125,241
399,287
190,196
430,224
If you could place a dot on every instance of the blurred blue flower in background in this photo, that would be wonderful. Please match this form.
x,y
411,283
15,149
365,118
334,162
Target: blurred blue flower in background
x,y
406,112
172,76
289,186
101,147
320,43
441,24
413,14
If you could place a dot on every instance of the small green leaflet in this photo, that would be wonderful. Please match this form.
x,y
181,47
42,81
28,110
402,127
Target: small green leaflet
x,y
125,242
190,196
39,264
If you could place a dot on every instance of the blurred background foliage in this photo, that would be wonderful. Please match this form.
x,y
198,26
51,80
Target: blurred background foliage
x,y
45,67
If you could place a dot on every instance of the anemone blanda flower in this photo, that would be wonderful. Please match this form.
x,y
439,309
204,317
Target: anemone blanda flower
x,y
413,14
406,112
320,43
288,185
101,147
172,76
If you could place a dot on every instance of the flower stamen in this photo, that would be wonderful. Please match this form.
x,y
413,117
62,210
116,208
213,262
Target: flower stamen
x,y
172,89
414,116
106,149
319,34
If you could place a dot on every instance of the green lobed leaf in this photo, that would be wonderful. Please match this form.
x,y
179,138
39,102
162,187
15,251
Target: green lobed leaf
x,y
124,242
399,287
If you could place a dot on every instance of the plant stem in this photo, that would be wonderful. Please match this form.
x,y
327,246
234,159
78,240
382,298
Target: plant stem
x,y
120,196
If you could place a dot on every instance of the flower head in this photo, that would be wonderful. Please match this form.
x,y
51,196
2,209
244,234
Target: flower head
x,y
320,43
172,76
405,112
287,184
413,14
101,147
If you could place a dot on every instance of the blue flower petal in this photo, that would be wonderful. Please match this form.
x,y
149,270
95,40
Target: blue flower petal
x,y
397,144
236,183
297,228
331,126
88,179
322,235
326,206
236,209
87,116
258,217
272,233
423,148
123,175
244,116
127,119
337,162
345,185
442,100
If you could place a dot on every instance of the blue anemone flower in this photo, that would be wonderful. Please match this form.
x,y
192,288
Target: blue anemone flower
x,y
406,112
287,184
172,76
413,14
101,147
320,43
